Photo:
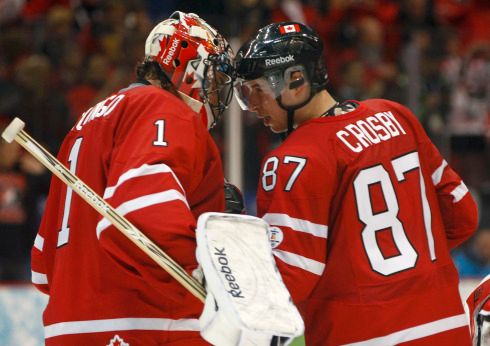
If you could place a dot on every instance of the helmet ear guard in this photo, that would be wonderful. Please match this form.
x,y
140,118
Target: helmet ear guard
x,y
297,83
295,76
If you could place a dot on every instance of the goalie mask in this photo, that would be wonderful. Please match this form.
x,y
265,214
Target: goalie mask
x,y
281,57
198,61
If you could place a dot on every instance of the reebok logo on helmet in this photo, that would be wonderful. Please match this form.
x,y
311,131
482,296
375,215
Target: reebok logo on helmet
x,y
171,51
280,60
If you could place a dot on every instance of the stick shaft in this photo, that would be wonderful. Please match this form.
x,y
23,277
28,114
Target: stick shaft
x,y
106,210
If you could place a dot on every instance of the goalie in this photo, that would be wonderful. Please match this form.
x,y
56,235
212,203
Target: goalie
x,y
147,150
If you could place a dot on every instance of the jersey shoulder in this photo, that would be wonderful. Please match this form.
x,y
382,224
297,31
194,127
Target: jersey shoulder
x,y
157,100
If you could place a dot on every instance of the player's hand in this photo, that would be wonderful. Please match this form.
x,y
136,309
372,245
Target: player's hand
x,y
198,274
233,199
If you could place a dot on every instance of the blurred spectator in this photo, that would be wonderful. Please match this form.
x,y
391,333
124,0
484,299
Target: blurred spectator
x,y
474,259
24,184
412,58
468,79
13,257
217,12
353,81
58,34
82,95
70,71
469,17
10,10
42,106
295,11
252,14
415,15
34,9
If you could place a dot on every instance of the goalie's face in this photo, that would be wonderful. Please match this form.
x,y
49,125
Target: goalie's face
x,y
217,84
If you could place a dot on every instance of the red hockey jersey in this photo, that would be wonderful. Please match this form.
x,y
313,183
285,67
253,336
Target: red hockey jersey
x,y
154,161
364,211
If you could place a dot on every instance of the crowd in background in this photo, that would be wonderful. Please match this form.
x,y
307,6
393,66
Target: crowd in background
x,y
58,57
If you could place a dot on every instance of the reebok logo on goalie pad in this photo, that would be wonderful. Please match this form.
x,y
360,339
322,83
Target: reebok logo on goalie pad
x,y
226,270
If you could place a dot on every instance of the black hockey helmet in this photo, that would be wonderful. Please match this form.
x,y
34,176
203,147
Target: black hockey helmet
x,y
274,56
274,52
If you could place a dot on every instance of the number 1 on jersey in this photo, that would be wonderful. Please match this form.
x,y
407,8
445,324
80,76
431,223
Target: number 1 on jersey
x,y
64,232
160,141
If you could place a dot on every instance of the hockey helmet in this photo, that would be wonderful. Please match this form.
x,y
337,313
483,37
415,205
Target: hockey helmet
x,y
198,61
274,55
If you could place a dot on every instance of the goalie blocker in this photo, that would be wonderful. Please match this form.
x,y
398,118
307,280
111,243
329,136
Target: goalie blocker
x,y
247,302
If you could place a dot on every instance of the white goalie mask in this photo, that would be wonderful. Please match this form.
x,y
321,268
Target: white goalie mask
x,y
198,61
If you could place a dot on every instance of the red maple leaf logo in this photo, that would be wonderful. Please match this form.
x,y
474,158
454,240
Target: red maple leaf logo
x,y
117,341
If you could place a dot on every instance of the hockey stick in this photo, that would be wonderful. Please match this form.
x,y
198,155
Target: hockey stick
x,y
14,131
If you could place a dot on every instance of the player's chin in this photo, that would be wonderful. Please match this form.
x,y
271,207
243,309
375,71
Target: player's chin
x,y
277,129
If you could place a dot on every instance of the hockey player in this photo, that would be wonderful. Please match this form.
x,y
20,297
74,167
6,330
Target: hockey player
x,y
478,303
363,208
151,157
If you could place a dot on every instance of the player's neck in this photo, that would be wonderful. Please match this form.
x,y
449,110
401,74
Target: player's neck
x,y
321,102
155,82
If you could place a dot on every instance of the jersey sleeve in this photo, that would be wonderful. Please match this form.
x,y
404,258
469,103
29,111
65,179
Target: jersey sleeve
x,y
458,208
294,200
157,160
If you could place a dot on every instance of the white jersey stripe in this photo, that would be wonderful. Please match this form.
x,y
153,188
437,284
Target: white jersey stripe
x,y
299,225
142,202
39,242
437,175
118,324
417,332
459,192
139,172
39,278
299,261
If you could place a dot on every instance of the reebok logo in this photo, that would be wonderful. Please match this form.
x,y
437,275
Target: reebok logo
x,y
280,60
171,51
235,290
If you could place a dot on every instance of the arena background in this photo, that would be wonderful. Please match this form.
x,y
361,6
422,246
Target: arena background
x,y
58,57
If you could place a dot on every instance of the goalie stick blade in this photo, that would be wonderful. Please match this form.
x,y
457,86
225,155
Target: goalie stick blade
x,y
12,130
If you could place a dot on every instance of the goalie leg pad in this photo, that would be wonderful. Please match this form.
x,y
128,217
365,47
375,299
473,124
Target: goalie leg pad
x,y
247,301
